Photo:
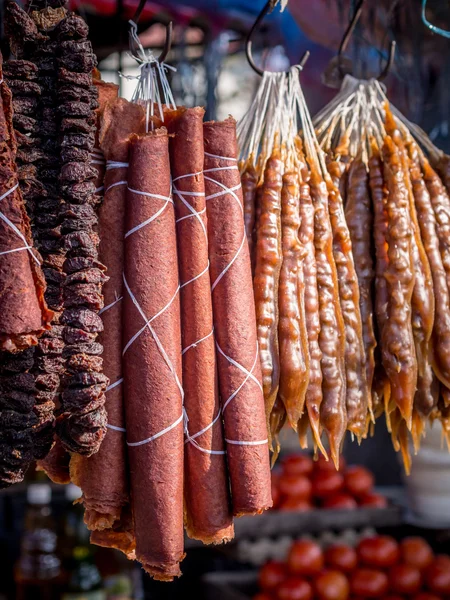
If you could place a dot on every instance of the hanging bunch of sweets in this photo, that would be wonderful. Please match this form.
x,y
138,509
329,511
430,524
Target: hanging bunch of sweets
x,y
397,210
315,363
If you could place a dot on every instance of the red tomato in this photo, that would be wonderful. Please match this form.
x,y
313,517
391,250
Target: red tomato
x,y
322,464
295,504
294,588
369,583
305,558
358,480
426,596
438,575
341,500
341,557
298,464
415,551
379,551
271,575
327,483
373,499
296,486
262,596
405,580
331,585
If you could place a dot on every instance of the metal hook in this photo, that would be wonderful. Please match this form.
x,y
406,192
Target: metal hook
x,y
348,34
169,32
248,43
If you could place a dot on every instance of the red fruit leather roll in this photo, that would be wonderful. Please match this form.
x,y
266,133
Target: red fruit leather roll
x,y
207,512
24,313
120,536
56,464
152,358
107,92
235,324
103,476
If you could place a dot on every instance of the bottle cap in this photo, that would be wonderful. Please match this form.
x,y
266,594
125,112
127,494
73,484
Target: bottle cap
x,y
73,492
39,493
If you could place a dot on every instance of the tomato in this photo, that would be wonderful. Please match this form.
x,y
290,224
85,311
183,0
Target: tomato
x,y
438,575
331,585
297,464
271,575
294,588
295,504
358,480
327,483
415,551
296,486
341,557
426,596
379,551
369,583
262,596
305,558
405,579
341,500
373,499
322,464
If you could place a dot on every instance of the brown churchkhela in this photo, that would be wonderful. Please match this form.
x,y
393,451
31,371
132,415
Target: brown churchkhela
x,y
208,515
268,259
103,477
234,310
292,334
353,265
333,412
152,358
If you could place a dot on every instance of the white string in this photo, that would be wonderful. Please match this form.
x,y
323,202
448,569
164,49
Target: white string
x,y
114,164
105,308
113,385
115,428
237,443
157,435
99,189
96,161
200,212
14,228
153,217
113,185
195,344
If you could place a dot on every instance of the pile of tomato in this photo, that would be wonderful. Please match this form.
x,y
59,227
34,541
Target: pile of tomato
x,y
379,567
302,483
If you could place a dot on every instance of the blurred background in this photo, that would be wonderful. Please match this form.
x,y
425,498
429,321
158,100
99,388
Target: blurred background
x,y
39,522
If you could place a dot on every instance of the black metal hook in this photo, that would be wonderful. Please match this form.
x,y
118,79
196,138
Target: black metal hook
x,y
169,31
248,43
348,34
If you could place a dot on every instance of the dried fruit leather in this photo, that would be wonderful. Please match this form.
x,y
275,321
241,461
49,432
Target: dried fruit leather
x,y
234,324
207,508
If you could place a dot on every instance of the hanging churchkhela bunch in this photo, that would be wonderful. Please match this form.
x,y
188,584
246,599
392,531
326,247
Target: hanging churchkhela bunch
x,y
54,99
396,208
185,384
304,276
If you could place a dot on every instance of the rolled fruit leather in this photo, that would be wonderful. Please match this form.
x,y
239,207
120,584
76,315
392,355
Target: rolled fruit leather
x,y
103,476
207,512
235,324
25,315
152,358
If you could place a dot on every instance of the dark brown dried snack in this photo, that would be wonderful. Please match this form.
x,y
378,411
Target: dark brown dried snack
x,y
84,294
77,171
17,401
20,29
74,47
54,364
72,28
83,362
78,63
75,109
25,124
23,382
81,79
72,335
81,262
52,346
75,125
82,243
96,276
17,363
24,88
47,381
83,318
91,349
47,220
25,105
79,192
20,69
72,153
46,64
81,140
83,433
30,155
87,379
